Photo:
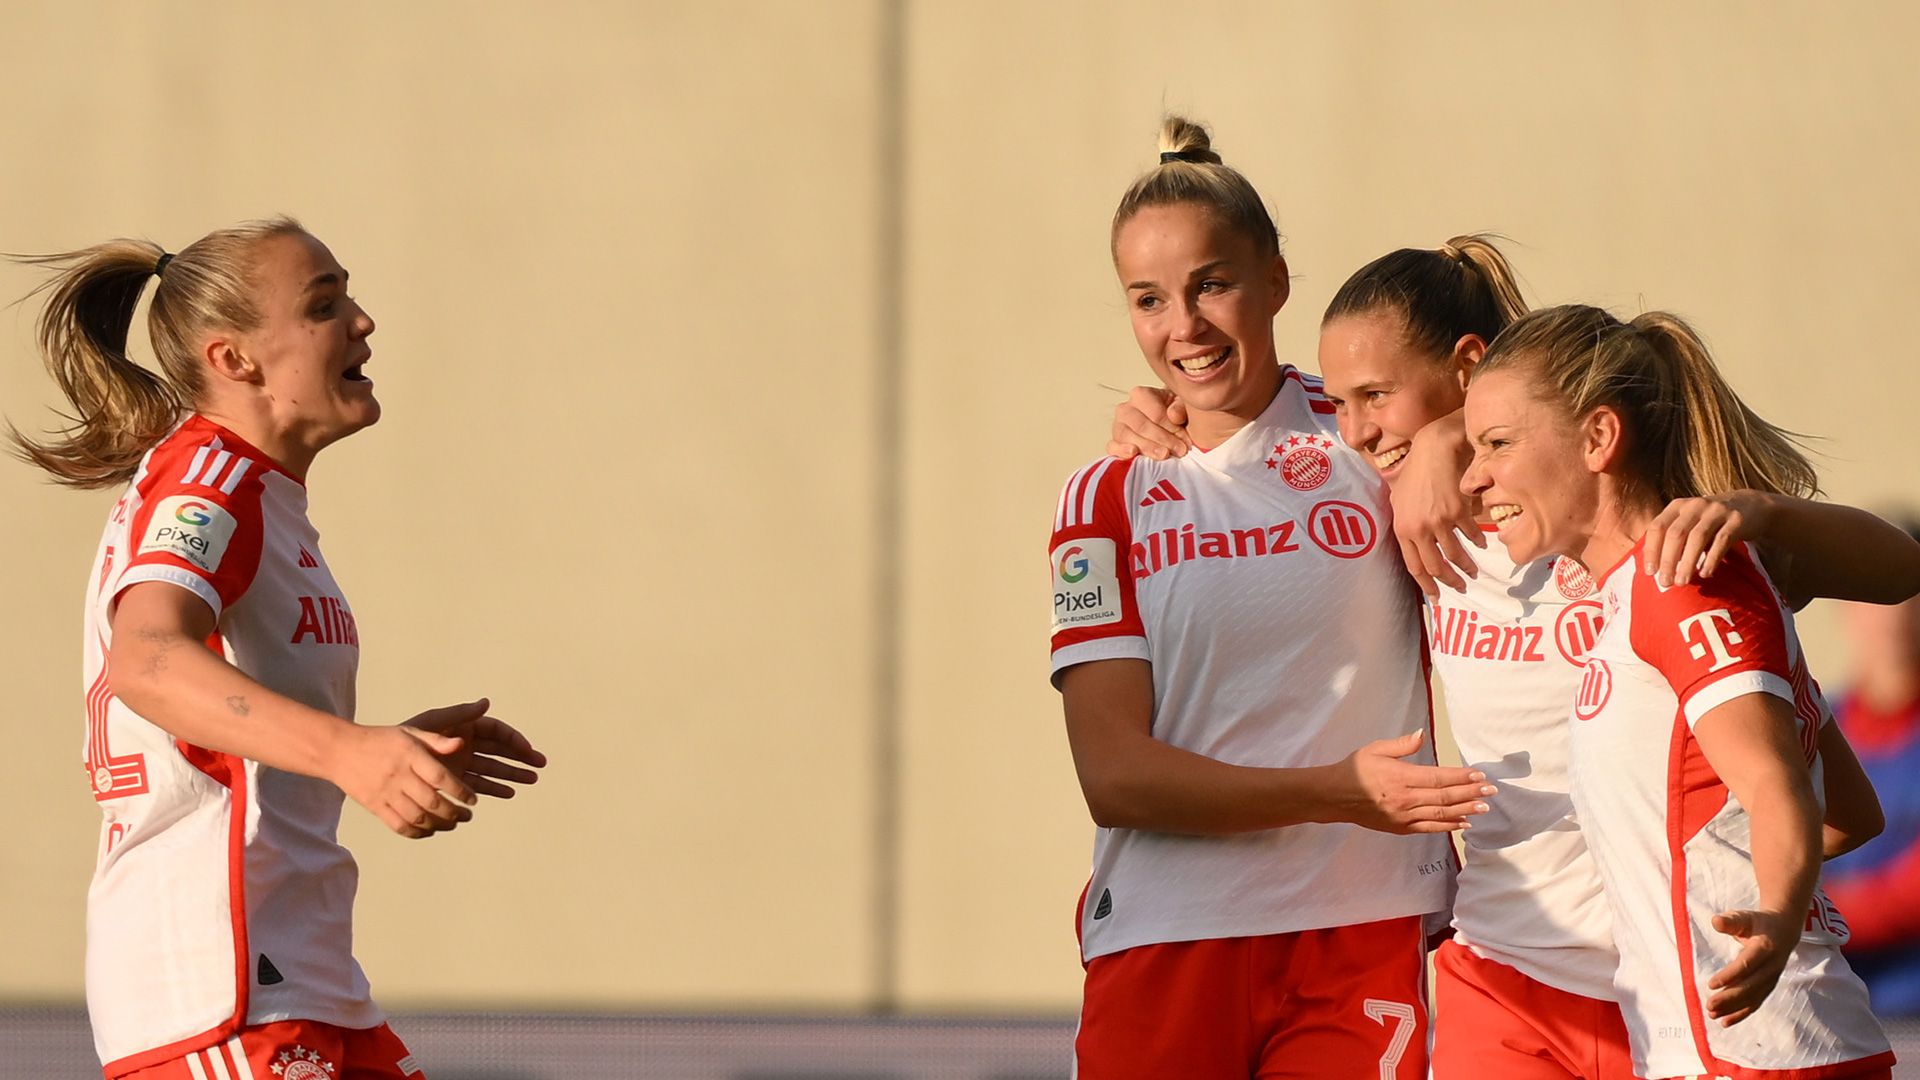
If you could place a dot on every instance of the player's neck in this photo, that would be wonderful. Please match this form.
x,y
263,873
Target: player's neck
x,y
1623,518
1210,428
286,447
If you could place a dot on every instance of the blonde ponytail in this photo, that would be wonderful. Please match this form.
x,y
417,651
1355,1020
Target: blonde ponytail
x,y
1727,445
1190,171
120,410
1689,434
1465,287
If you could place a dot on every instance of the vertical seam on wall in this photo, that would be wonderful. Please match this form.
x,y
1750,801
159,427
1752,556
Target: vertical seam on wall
x,y
888,476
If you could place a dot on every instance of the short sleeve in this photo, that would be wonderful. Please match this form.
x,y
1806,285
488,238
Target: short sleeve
x,y
1094,613
1714,639
199,523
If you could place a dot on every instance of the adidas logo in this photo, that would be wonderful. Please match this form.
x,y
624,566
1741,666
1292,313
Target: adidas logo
x,y
267,973
1164,491
1105,907
210,462
307,560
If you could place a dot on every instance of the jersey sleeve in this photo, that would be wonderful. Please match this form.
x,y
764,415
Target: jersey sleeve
x,y
1714,639
1094,614
199,524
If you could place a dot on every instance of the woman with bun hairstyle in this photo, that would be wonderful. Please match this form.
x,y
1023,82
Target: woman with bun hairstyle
x,y
1239,658
1694,747
1525,986
220,662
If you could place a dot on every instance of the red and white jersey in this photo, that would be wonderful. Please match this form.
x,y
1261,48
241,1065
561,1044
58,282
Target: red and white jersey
x,y
1509,652
220,897
1671,841
1260,581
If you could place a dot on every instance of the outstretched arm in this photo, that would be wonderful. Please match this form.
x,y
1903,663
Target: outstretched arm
x,y
163,670
1815,549
1133,780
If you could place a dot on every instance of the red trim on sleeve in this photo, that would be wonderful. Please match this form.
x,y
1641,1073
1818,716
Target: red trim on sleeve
x,y
1105,516
206,464
1699,633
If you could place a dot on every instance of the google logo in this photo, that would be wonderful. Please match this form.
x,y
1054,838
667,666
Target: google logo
x,y
192,513
1079,565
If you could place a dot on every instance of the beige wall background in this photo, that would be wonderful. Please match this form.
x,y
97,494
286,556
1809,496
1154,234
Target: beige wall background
x,y
733,353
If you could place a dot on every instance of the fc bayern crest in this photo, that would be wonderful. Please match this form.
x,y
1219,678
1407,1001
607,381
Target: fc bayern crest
x,y
301,1063
1571,578
1303,461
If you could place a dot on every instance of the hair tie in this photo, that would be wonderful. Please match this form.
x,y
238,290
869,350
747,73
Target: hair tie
x,y
161,266
1453,253
1181,155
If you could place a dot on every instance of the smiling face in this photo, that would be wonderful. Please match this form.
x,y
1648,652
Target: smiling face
x,y
1202,299
1384,389
1533,468
311,344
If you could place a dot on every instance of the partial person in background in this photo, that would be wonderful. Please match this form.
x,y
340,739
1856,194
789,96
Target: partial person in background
x,y
220,664
1877,887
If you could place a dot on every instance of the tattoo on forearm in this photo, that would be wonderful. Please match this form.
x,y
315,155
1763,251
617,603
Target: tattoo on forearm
x,y
159,643
239,705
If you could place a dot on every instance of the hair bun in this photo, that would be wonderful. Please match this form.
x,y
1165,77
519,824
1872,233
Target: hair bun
x,y
1179,135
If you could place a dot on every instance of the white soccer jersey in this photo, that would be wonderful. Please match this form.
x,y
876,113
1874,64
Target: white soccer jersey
x,y
1671,842
1509,653
220,897
1259,580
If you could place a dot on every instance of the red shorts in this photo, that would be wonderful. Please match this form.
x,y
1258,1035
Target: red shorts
x,y
1345,1003
294,1050
1493,1023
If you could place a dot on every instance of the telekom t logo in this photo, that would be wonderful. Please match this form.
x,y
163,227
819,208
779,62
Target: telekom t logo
x,y
1711,638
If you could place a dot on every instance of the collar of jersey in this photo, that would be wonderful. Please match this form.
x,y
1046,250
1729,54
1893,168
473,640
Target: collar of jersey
x,y
1215,456
1623,560
240,445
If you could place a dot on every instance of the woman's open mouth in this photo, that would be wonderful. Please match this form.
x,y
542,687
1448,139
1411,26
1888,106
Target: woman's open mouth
x,y
1203,364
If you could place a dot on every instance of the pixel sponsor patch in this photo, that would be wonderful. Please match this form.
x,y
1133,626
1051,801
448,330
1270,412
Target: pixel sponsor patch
x,y
192,528
1086,586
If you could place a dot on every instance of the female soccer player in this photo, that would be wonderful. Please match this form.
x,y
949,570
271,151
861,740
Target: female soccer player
x,y
1525,988
1240,664
1694,748
220,663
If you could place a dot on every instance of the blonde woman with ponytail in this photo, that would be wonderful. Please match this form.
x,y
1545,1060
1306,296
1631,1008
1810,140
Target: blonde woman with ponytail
x,y
1239,661
1524,988
220,661
1699,748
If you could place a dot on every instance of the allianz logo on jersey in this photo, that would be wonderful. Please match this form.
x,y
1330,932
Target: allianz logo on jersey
x,y
325,620
1171,547
1342,529
1457,631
